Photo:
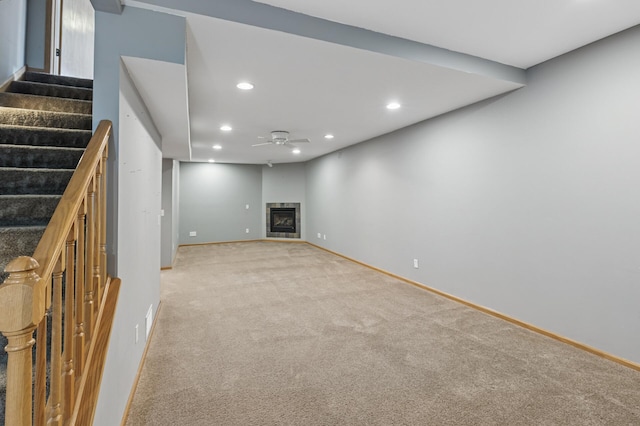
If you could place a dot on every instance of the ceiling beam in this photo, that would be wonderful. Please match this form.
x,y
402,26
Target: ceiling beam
x,y
274,18
109,6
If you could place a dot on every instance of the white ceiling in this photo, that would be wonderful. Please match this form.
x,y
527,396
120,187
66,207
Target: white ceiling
x,y
317,76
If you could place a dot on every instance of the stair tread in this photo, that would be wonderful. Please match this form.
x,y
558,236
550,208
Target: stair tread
x,y
42,147
48,119
10,197
67,80
44,136
49,89
61,86
10,228
45,103
40,111
34,169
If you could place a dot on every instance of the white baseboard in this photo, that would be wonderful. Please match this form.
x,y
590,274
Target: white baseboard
x,y
15,76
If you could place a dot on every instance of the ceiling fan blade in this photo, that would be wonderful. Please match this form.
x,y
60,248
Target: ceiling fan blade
x,y
305,140
264,143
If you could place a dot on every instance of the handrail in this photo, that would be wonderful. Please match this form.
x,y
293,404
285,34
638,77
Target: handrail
x,y
55,235
64,287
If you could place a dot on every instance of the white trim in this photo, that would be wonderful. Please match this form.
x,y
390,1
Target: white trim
x,y
14,77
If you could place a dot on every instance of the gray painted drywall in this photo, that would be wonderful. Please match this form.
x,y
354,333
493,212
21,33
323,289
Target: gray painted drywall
x,y
527,203
140,167
170,182
213,200
284,183
134,186
13,34
36,22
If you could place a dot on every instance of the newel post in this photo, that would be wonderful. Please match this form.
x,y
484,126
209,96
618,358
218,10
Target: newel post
x,y
22,307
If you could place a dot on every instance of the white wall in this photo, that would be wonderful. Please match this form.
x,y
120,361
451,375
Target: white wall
x,y
284,183
13,27
527,204
213,200
78,29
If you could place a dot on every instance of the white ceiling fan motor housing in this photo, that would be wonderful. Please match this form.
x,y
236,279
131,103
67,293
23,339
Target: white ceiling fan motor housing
x,y
279,137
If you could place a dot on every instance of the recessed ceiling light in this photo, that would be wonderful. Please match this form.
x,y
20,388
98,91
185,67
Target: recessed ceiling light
x,y
393,105
217,147
211,160
245,85
296,151
328,136
226,128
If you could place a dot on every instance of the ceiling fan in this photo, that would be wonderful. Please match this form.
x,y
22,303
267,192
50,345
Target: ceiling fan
x,y
281,137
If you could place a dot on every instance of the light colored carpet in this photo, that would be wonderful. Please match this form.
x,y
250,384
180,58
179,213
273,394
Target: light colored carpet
x,y
267,333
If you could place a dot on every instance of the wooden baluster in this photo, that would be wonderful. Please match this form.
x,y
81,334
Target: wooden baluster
x,y
55,380
40,395
97,286
22,302
79,297
90,245
69,325
103,219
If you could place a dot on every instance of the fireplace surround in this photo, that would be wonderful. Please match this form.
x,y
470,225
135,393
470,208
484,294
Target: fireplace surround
x,y
283,220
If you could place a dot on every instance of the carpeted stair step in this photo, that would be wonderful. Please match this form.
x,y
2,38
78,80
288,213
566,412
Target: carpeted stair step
x,y
33,118
44,103
55,90
39,136
26,156
17,241
27,210
19,181
58,79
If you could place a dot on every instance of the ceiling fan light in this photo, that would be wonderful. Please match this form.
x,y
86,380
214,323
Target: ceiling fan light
x,y
244,85
328,136
296,151
393,105
226,128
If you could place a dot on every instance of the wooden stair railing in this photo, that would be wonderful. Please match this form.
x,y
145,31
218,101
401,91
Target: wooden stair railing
x,y
64,287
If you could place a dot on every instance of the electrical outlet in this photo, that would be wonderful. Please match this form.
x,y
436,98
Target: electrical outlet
x,y
137,333
319,235
246,206
324,236
415,263
192,233
246,230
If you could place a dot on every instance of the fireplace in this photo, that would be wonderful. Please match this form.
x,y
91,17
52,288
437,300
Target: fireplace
x,y
283,220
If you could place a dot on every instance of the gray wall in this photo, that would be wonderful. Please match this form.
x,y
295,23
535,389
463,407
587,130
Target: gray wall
x,y
13,28
138,264
284,183
36,22
170,203
527,204
213,200
134,187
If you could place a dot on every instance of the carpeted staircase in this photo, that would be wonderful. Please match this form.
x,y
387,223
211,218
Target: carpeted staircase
x,y
45,124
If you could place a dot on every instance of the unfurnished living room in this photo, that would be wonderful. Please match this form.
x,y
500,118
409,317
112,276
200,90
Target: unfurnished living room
x,y
308,213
